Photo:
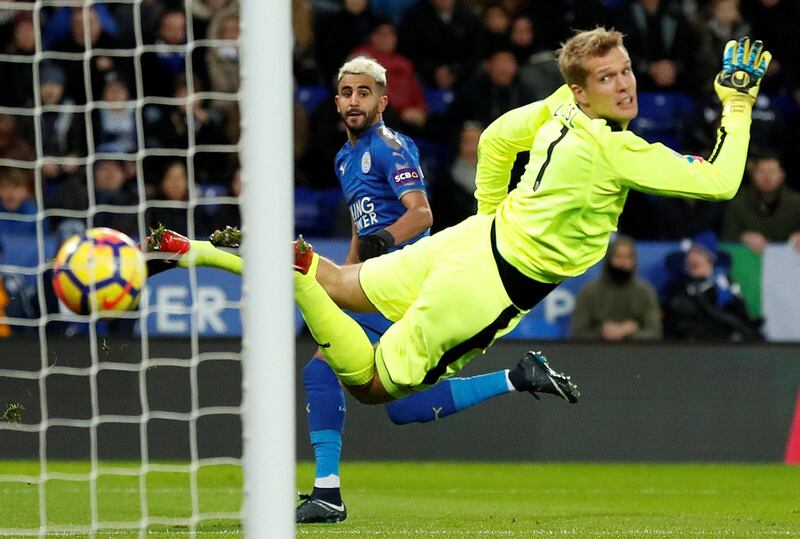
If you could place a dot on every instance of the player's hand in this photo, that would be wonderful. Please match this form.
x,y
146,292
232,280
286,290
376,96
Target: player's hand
x,y
376,244
743,67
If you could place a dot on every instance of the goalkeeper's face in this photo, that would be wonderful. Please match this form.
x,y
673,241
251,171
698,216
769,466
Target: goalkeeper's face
x,y
610,88
360,102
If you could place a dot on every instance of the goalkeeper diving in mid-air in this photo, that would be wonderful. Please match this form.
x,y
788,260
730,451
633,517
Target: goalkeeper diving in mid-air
x,y
452,294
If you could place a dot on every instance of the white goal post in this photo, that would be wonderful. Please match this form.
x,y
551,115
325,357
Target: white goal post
x,y
268,347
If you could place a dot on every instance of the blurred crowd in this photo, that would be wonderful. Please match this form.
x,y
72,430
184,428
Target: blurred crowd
x,y
149,118
456,65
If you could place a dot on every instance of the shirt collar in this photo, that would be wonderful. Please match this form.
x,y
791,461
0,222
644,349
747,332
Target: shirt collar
x,y
366,134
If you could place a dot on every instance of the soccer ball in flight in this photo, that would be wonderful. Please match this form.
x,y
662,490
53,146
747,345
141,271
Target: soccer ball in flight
x,y
103,270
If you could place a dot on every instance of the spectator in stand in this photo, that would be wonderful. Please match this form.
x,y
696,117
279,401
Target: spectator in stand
x,y
111,187
12,145
521,39
406,98
496,28
16,199
495,91
17,300
337,33
313,166
764,211
453,190
8,18
538,67
304,62
618,305
223,62
20,93
168,126
58,25
202,13
777,24
62,132
115,123
160,69
704,303
443,40
662,46
173,188
724,22
149,13
98,38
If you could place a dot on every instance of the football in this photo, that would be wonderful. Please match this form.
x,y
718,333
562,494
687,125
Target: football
x,y
102,270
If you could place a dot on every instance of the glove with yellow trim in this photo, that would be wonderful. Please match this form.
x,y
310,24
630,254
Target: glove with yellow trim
x,y
743,67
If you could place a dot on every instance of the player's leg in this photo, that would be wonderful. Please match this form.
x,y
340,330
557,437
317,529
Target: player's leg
x,y
325,410
448,397
179,251
342,341
532,374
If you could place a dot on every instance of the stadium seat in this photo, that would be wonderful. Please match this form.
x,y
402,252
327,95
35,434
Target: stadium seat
x,y
674,263
311,96
22,251
662,117
433,156
438,100
315,211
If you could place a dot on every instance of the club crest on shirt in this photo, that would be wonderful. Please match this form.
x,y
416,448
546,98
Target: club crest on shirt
x,y
366,162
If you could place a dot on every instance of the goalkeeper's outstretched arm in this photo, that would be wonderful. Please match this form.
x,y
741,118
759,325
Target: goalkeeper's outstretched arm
x,y
654,168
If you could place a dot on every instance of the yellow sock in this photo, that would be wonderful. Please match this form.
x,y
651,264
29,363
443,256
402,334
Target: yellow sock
x,y
202,253
342,341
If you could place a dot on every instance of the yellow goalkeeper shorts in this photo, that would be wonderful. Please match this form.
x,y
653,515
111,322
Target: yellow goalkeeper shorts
x,y
447,300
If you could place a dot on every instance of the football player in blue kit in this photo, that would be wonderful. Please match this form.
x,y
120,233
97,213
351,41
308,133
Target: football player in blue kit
x,y
385,192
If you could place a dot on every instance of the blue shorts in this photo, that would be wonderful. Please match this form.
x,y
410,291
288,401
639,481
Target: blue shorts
x,y
373,324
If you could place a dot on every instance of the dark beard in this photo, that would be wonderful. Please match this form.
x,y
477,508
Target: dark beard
x,y
619,276
369,121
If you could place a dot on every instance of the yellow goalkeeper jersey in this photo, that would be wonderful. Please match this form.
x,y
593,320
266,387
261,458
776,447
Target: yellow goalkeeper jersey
x,y
558,220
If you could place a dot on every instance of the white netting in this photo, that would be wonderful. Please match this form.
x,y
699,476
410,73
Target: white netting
x,y
123,432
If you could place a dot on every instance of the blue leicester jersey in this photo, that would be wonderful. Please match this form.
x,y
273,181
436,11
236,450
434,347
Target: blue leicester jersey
x,y
375,173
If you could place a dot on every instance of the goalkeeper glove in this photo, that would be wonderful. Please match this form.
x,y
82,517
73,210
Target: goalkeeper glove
x,y
743,67
376,244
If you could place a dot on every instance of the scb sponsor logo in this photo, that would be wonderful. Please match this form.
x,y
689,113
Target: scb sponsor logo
x,y
406,175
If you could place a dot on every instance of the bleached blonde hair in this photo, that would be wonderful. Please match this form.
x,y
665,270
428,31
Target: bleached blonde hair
x,y
362,65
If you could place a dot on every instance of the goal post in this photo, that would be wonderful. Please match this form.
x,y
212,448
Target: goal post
x,y
268,344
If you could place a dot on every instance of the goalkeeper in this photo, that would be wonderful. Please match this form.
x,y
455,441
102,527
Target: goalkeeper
x,y
452,294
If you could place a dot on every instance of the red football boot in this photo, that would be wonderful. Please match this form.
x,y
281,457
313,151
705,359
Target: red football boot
x,y
303,254
163,240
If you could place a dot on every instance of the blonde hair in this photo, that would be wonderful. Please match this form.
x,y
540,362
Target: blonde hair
x,y
585,44
362,65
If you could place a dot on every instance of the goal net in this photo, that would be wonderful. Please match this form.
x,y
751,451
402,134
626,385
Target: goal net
x,y
126,114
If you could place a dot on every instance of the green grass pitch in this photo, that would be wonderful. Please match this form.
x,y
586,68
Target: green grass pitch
x,y
452,499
